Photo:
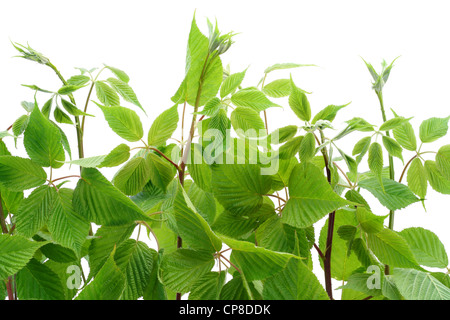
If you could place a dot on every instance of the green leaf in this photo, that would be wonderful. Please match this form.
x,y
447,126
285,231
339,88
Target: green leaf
x,y
231,83
198,168
133,176
35,210
240,187
72,109
290,148
443,161
119,73
61,116
66,226
282,134
163,127
42,141
96,199
78,80
287,65
38,282
307,148
391,249
160,170
328,113
278,88
197,58
405,136
437,181
426,247
181,270
124,122
375,161
68,89
417,178
108,284
392,195
295,282
15,252
392,147
117,156
417,285
256,263
191,226
125,91
105,240
247,122
432,129
18,174
135,260
208,287
106,94
310,197
299,103
393,123
252,98
212,107
368,221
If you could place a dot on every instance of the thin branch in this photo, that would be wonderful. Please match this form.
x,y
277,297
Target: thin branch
x,y
66,177
231,264
345,175
321,255
275,196
165,157
406,166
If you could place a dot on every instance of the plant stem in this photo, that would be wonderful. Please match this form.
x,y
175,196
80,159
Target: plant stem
x,y
165,157
330,231
182,166
83,119
391,167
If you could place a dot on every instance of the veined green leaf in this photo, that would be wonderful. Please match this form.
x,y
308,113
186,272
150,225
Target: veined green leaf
x,y
18,174
278,88
299,103
66,226
392,147
307,148
117,156
42,141
426,247
393,123
390,248
61,116
133,176
375,161
443,161
192,227
231,83
418,285
437,181
290,148
161,172
310,197
105,240
180,270
125,91
295,282
35,210
108,284
247,121
282,134
404,134
96,199
368,221
252,98
163,127
256,263
432,129
135,260
69,88
417,178
208,287
15,252
78,80
240,187
287,65
72,109
125,122
119,73
106,94
328,113
394,196
38,282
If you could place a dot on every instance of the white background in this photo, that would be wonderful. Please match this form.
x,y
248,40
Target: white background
x,y
147,39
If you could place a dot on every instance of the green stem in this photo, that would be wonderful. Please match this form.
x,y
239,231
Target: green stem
x,y
9,286
391,165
